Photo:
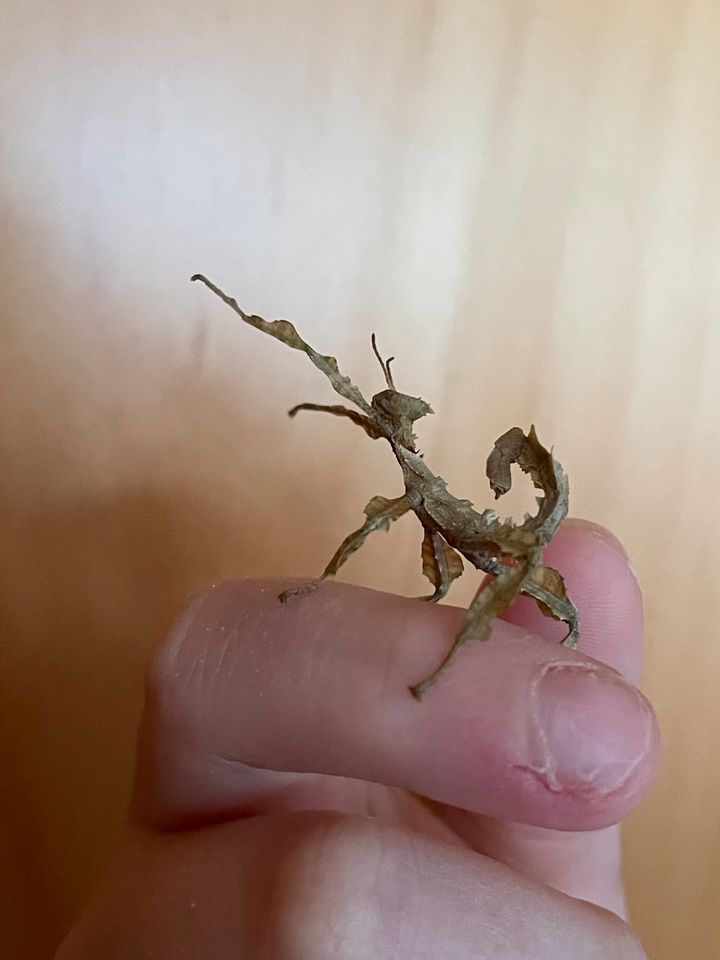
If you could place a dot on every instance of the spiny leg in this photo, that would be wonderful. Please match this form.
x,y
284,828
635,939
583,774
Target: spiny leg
x,y
492,597
380,514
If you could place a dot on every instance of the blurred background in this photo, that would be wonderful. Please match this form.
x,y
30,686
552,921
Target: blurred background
x,y
521,197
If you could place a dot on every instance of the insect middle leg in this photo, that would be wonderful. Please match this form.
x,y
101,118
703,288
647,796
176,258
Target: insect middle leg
x,y
380,514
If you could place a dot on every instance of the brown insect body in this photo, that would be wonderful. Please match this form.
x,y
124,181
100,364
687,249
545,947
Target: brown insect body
x,y
510,553
462,527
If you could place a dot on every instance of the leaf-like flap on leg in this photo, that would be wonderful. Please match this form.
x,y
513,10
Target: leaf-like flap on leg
x,y
550,581
338,410
547,587
386,510
376,506
546,473
380,512
431,561
284,331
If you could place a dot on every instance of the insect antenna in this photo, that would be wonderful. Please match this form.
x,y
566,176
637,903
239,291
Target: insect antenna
x,y
385,364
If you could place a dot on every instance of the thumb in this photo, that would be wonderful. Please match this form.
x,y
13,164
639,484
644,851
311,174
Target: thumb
x,y
601,581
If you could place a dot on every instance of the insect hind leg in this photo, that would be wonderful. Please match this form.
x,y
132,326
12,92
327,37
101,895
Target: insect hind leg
x,y
492,597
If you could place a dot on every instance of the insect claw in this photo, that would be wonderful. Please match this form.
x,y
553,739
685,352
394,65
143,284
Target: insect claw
x,y
300,591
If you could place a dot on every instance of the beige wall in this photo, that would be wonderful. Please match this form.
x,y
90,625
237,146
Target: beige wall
x,y
520,196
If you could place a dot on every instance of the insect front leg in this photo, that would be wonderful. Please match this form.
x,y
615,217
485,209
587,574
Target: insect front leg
x,y
380,513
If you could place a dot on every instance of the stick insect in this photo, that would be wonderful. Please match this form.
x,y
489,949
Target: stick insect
x,y
509,554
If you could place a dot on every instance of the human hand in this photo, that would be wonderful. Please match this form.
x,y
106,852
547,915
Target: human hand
x,y
294,802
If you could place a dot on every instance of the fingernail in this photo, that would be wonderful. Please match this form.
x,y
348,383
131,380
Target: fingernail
x,y
590,729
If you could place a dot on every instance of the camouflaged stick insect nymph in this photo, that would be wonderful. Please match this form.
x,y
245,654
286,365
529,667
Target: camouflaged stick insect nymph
x,y
509,553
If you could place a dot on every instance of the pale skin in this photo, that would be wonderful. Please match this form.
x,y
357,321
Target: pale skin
x,y
292,802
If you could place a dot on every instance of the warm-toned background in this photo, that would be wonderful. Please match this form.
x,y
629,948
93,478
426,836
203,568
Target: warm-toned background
x,y
520,196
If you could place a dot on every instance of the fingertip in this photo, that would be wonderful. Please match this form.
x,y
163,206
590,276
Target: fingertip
x,y
603,585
